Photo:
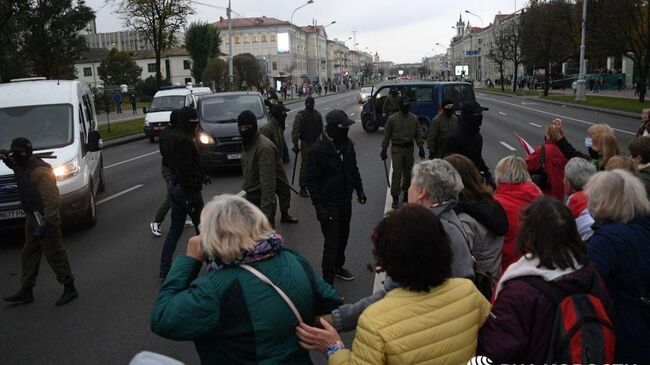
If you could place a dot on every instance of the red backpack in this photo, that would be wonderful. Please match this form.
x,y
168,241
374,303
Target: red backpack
x,y
582,331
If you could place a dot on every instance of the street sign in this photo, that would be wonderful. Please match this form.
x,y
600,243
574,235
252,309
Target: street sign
x,y
471,52
461,70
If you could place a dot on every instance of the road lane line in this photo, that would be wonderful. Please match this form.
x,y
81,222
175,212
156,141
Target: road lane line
x,y
507,146
553,114
502,113
107,199
535,125
351,114
131,159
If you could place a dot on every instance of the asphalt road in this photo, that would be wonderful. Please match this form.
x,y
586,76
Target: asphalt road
x,y
116,263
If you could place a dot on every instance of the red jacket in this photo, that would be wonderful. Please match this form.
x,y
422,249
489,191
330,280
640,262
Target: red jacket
x,y
513,198
554,167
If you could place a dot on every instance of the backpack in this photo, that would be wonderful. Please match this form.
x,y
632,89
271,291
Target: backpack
x,y
582,331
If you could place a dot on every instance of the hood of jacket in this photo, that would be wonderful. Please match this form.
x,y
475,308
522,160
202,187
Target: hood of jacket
x,y
487,212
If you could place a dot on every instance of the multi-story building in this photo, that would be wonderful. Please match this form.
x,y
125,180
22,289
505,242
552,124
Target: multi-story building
x,y
317,60
337,54
466,51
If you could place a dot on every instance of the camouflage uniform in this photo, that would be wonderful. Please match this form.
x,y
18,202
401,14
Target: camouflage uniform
x,y
259,162
400,130
441,125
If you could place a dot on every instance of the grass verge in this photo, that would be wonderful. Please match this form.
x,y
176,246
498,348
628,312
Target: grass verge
x,y
608,102
120,129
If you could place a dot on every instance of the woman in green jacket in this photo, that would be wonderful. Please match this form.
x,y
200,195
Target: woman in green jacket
x,y
230,314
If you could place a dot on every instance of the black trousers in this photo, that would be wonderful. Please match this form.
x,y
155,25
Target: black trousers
x,y
336,233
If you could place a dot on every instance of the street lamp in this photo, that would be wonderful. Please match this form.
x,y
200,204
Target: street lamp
x,y
581,85
291,24
481,41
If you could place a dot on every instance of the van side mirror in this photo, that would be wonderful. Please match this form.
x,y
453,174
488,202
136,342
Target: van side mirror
x,y
144,110
94,141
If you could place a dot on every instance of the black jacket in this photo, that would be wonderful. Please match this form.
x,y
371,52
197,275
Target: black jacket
x,y
166,144
333,175
488,212
467,141
185,165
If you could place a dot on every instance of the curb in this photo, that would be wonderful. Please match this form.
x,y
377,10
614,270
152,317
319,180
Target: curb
x,y
493,93
619,113
119,141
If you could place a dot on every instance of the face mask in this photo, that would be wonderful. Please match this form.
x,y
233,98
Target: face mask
x,y
309,107
248,135
588,142
404,108
336,133
448,112
189,128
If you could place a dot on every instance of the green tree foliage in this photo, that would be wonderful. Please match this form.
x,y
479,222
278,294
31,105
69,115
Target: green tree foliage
x,y
149,86
513,32
202,41
217,71
42,38
247,70
547,35
103,100
118,68
158,20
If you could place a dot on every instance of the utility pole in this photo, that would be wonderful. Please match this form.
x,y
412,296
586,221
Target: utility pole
x,y
581,85
231,75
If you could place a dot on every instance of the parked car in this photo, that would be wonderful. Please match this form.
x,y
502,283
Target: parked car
x,y
218,136
364,94
58,117
169,98
426,100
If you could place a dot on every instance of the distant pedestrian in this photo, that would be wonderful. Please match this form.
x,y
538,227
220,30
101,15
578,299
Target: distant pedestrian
x,y
591,84
117,99
133,103
619,83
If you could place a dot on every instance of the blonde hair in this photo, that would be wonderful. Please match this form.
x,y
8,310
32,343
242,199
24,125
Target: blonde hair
x,y
607,146
511,169
231,226
617,196
623,163
597,129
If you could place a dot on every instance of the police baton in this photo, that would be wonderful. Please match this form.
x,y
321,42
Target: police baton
x,y
295,162
287,184
386,171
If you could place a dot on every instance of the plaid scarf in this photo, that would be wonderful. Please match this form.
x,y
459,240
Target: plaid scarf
x,y
264,250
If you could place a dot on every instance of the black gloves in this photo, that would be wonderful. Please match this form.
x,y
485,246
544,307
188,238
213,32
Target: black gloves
x,y
421,153
323,215
295,149
383,154
362,198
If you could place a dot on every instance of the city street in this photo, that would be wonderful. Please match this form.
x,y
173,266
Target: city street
x,y
116,263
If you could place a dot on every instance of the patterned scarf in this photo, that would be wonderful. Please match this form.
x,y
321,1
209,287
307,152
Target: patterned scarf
x,y
264,250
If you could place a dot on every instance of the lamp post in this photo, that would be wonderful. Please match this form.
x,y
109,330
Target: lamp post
x,y
481,41
291,24
445,68
581,85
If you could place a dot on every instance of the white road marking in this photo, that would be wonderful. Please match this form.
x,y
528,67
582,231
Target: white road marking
x,y
507,146
131,159
502,113
553,114
351,114
337,104
119,194
535,125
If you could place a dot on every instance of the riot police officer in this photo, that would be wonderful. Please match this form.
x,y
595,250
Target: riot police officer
x,y
391,104
307,128
39,197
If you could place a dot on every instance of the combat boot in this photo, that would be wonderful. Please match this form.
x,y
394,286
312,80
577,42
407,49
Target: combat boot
x,y
69,293
286,218
395,204
24,295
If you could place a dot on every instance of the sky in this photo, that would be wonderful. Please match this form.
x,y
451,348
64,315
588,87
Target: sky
x,y
401,31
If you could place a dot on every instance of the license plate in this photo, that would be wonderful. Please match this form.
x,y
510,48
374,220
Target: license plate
x,y
11,214
234,156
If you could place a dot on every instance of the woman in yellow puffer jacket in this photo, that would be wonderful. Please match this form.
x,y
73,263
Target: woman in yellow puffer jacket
x,y
428,319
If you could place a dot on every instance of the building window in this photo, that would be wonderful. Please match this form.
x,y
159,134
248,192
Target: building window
x,y
186,64
245,39
236,39
88,71
188,80
254,39
272,37
263,38
151,67
275,66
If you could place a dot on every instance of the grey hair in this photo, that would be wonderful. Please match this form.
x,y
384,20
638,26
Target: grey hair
x,y
617,196
578,171
511,169
439,179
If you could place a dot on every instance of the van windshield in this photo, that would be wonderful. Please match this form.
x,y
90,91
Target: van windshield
x,y
167,103
46,126
222,108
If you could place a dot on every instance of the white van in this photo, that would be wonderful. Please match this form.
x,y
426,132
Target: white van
x,y
58,117
169,98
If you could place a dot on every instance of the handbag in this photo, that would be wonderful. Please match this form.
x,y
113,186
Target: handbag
x,y
539,176
282,294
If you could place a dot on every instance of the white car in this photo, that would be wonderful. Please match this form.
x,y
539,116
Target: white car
x,y
365,94
169,98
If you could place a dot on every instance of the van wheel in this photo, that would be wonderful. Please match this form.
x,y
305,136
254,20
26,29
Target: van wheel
x,y
102,185
424,128
369,125
90,220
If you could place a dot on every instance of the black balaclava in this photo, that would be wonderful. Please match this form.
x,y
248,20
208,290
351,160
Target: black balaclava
x,y
336,133
22,149
279,113
187,120
247,118
404,105
393,92
309,104
449,111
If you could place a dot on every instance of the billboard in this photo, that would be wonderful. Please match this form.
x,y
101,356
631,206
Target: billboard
x,y
461,70
284,45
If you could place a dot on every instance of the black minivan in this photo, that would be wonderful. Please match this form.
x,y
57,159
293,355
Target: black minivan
x,y
426,99
218,137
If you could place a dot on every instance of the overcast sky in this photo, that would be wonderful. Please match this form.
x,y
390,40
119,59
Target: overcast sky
x,y
400,30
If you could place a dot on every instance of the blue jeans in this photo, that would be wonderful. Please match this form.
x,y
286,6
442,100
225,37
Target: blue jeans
x,y
178,200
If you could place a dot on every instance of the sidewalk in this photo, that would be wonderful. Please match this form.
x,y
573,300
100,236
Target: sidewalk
x,y
625,93
116,118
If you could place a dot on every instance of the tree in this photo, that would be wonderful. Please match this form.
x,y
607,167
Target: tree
x,y
514,49
118,68
217,71
202,41
158,20
546,35
288,69
247,69
12,60
499,51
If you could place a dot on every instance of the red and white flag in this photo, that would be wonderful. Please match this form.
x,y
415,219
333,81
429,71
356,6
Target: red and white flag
x,y
528,149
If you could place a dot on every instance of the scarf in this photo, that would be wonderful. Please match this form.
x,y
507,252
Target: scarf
x,y
264,250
